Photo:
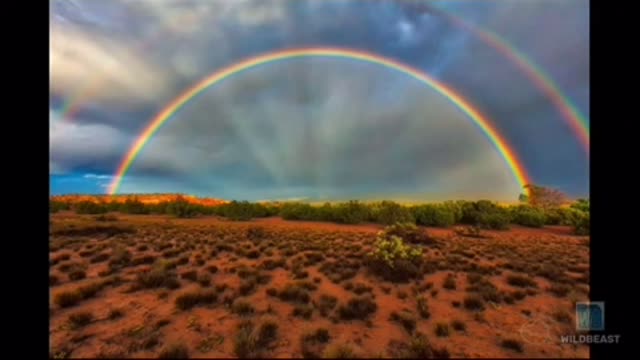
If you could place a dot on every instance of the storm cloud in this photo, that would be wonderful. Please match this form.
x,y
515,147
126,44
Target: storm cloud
x,y
311,127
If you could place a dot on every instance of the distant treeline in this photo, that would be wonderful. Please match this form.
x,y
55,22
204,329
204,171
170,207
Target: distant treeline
x,y
484,214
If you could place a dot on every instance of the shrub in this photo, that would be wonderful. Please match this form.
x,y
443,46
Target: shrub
x,y
559,290
408,232
294,293
242,308
115,314
120,258
190,275
485,214
188,300
325,304
174,351
204,279
389,212
80,319
582,224
249,342
313,343
181,208
393,260
77,274
67,298
528,216
512,344
422,307
419,347
357,308
442,329
90,207
434,215
449,283
339,351
581,205
458,325
473,303
157,278
302,310
521,281
404,318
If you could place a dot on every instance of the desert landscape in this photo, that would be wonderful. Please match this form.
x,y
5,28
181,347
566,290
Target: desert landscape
x,y
166,286
321,179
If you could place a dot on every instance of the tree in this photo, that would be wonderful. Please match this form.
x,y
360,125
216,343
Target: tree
x,y
544,197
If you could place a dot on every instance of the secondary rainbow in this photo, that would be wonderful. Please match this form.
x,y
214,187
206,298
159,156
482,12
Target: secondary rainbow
x,y
577,122
177,103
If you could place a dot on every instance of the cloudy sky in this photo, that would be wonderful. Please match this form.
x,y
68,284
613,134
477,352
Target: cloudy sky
x,y
316,127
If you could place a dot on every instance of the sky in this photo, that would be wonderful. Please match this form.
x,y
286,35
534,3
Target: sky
x,y
314,128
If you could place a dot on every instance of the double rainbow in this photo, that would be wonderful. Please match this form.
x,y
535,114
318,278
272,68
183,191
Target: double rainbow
x,y
481,121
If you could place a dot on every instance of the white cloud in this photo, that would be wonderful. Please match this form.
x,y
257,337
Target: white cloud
x,y
98,177
406,31
102,69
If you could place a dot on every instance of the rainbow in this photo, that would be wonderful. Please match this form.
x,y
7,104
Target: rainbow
x,y
177,103
577,122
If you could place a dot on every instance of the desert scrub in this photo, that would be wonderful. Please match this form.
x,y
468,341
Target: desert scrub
x,y
521,281
188,300
393,260
325,304
512,344
294,292
442,329
250,342
422,307
357,308
174,351
473,303
449,282
242,307
458,325
312,343
405,319
157,278
339,351
302,310
80,319
409,232
77,274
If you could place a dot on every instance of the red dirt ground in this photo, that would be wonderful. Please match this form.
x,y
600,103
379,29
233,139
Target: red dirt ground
x,y
548,256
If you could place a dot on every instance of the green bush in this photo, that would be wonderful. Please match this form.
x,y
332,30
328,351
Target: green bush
x,y
55,206
582,224
408,232
581,205
90,207
352,212
485,214
133,206
297,211
242,210
180,208
393,260
389,212
438,215
528,216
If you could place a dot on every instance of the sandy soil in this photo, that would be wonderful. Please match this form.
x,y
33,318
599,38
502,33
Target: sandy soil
x,y
257,259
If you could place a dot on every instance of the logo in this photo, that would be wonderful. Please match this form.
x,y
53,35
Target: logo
x,y
590,316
